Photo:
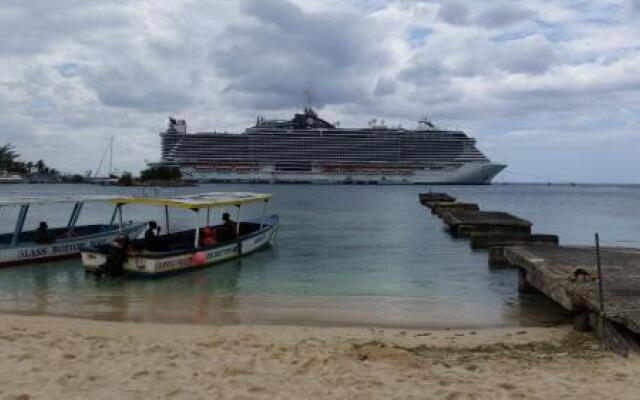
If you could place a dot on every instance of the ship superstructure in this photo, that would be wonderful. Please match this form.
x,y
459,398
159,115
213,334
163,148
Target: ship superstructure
x,y
308,149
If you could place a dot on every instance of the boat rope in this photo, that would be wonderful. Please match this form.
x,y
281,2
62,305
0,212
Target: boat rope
x,y
274,238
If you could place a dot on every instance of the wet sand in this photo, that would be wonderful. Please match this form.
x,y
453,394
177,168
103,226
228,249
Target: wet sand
x,y
57,358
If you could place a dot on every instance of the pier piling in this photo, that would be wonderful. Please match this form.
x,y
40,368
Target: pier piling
x,y
569,276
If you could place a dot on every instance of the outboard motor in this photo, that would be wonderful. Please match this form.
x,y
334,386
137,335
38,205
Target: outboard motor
x,y
116,253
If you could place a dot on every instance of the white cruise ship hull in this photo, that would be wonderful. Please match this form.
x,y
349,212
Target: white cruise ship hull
x,y
480,173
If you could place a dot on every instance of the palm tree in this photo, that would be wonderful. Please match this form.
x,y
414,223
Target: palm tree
x,y
8,157
40,165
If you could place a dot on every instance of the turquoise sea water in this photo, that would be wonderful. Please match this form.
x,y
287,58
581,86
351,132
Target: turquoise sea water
x,y
356,255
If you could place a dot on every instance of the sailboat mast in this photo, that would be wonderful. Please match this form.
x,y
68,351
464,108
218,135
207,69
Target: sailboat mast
x,y
111,157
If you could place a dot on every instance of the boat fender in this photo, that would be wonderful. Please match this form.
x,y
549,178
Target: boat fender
x,y
199,258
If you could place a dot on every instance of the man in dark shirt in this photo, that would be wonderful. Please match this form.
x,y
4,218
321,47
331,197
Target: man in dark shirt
x,y
42,235
151,236
228,227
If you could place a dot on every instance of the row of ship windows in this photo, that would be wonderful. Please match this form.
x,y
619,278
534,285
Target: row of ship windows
x,y
324,149
340,136
271,139
300,152
365,159
204,165
318,144
328,157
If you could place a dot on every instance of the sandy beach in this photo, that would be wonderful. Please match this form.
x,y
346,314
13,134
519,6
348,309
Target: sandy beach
x,y
57,358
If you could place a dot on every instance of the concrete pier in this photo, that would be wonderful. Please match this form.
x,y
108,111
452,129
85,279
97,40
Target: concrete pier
x,y
568,275
464,223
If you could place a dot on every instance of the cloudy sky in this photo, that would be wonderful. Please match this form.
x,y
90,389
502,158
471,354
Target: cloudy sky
x,y
551,88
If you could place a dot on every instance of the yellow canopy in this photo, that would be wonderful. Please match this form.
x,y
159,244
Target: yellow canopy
x,y
198,201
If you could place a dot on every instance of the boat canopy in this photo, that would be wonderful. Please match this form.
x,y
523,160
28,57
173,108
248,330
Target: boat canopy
x,y
198,201
43,200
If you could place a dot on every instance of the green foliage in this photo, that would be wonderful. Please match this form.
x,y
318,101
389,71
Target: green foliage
x,y
126,179
9,161
161,174
77,178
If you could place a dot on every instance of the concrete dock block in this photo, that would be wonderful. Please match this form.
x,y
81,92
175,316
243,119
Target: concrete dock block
x,y
463,223
497,258
440,208
482,240
467,231
428,199
524,286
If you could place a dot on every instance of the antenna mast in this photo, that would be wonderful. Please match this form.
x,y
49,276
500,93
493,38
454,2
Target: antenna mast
x,y
308,98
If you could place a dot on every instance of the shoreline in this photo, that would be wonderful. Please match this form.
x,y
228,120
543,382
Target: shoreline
x,y
55,358
297,323
305,310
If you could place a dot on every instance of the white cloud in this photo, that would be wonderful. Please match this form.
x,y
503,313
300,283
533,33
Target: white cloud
x,y
454,12
502,15
551,76
385,86
532,54
269,62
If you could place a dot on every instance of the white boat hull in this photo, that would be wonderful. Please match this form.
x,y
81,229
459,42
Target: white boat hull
x,y
479,173
149,265
34,253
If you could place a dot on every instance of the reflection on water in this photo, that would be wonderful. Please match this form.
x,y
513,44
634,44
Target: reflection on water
x,y
357,255
212,296
62,288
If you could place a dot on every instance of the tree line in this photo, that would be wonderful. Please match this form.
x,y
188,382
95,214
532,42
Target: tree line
x,y
10,162
152,174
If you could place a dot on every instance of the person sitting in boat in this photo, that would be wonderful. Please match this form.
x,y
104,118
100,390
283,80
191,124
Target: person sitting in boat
x,y
151,236
228,229
42,235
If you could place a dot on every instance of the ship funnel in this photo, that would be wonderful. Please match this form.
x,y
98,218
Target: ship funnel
x,y
177,125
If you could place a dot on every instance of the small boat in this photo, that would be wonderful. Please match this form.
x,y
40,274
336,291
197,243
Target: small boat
x,y
23,247
6,177
183,250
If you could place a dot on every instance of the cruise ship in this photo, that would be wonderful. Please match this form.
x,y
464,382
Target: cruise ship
x,y
308,149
